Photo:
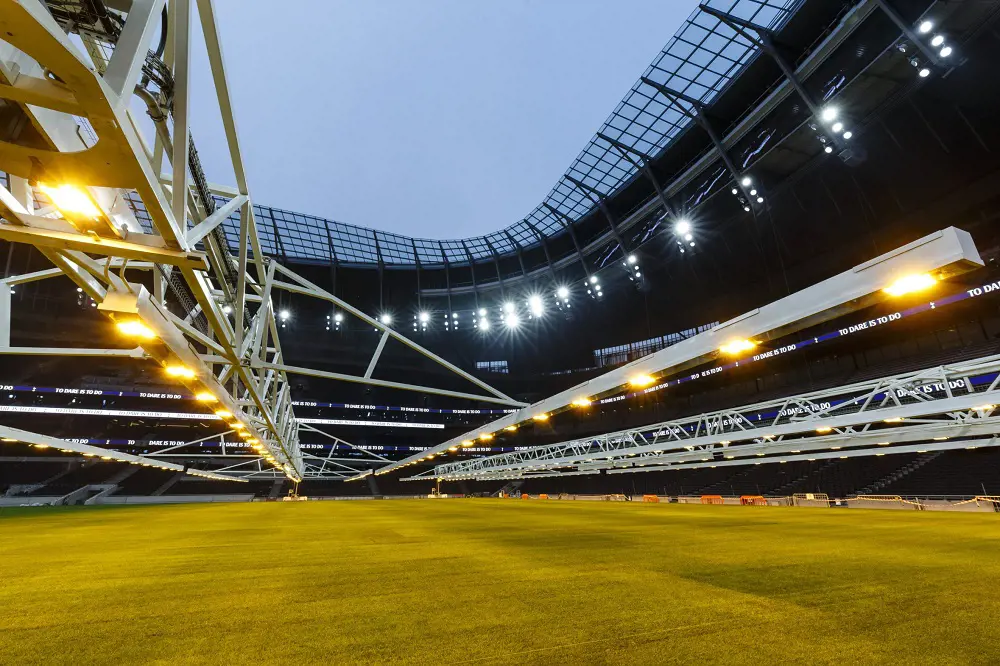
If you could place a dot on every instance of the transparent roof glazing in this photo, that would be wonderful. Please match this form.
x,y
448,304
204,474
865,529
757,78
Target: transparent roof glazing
x,y
699,61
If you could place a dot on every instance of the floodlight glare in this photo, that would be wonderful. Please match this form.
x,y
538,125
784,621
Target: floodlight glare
x,y
71,200
581,402
736,347
541,417
512,321
945,52
226,309
746,181
223,413
828,149
938,40
482,312
535,305
632,259
284,315
136,329
180,371
485,436
424,317
848,135
508,307
511,428
688,237
837,127
386,319
484,324
593,279
562,292
205,396
924,73
910,283
640,381
338,317
828,114
925,27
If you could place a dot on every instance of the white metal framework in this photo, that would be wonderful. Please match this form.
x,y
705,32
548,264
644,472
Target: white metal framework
x,y
76,167
945,407
943,254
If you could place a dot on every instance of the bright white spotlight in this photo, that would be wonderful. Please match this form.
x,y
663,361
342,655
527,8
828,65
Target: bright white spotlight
x,y
512,321
386,319
837,127
535,305
945,52
338,317
746,181
593,279
508,307
482,312
848,134
562,292
925,27
284,315
924,73
632,259
226,309
682,227
688,237
760,199
424,317
828,114
454,315
938,40
828,149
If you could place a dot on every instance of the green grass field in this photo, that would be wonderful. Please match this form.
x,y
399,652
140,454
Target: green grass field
x,y
497,581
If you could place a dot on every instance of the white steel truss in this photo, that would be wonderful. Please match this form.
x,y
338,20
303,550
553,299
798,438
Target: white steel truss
x,y
944,407
210,318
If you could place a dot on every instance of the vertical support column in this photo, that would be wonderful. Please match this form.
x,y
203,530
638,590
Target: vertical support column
x,y
182,98
5,316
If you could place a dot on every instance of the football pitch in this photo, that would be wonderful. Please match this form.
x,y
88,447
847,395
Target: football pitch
x,y
497,581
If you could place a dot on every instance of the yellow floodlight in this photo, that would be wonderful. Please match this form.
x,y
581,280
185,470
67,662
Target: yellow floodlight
x,y
911,283
737,347
135,329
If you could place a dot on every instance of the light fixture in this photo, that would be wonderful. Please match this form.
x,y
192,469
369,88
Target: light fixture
x,y
535,305
468,442
639,381
484,324
848,134
205,396
71,200
541,417
593,279
424,317
284,315
582,402
937,41
828,114
924,73
823,429
945,52
223,413
485,437
511,428
226,309
632,259
181,371
508,307
562,292
736,347
682,227
386,319
338,317
746,181
512,321
911,283
828,150
925,27
136,329
837,126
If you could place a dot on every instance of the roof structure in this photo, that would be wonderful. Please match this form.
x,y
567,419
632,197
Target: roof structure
x,y
699,61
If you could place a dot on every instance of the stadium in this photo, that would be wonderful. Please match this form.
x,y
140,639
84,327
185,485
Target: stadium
x,y
727,394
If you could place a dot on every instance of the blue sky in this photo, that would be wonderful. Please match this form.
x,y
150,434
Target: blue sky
x,y
434,118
